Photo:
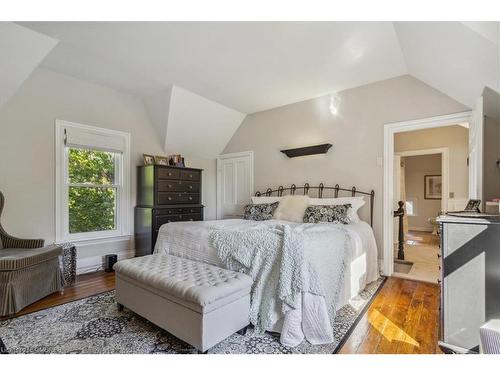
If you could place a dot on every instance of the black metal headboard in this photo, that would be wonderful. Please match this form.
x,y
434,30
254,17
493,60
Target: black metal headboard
x,y
321,188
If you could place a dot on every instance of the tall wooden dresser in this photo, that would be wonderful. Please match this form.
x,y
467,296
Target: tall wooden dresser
x,y
164,195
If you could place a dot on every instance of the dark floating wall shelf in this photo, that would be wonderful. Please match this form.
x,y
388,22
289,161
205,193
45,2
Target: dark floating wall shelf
x,y
309,150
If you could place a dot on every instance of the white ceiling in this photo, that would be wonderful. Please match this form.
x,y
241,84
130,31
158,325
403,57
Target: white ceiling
x,y
450,57
247,66
220,71
25,49
197,126
253,66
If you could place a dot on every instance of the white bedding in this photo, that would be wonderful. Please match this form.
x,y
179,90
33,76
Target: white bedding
x,y
191,240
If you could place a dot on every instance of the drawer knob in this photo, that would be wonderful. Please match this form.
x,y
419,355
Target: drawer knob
x,y
180,216
191,219
190,176
439,255
170,186
190,186
190,198
169,198
170,173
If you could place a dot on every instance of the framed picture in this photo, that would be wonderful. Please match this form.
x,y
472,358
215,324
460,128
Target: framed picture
x,y
473,205
148,159
432,186
161,160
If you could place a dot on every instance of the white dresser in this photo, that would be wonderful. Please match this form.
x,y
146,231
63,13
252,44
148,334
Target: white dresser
x,y
470,275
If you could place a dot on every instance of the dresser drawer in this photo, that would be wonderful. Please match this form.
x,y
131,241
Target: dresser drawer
x,y
159,220
175,211
190,175
179,185
178,198
168,173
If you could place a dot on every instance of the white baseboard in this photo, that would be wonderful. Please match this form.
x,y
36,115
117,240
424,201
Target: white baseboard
x,y
93,264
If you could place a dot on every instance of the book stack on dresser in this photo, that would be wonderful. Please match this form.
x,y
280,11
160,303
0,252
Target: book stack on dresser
x,y
164,194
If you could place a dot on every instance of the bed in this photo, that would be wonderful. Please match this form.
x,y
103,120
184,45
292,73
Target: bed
x,y
192,240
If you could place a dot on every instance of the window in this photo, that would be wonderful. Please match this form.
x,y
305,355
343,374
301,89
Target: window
x,y
411,207
92,182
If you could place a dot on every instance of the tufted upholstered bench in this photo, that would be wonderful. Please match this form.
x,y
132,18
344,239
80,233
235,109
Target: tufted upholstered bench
x,y
197,302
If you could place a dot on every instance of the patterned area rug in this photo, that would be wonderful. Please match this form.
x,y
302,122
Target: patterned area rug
x,y
94,325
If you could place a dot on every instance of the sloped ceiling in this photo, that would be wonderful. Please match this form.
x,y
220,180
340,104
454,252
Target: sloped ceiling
x,y
158,107
191,124
198,126
451,57
199,79
22,50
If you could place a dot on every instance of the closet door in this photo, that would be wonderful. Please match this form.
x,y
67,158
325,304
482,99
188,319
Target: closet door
x,y
235,184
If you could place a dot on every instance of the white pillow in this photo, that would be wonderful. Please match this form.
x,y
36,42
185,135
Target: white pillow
x,y
264,199
355,202
292,208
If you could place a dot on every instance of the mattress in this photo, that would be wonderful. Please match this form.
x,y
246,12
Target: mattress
x,y
191,240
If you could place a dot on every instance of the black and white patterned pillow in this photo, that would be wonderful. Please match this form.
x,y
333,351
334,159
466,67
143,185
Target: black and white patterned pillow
x,y
327,214
260,212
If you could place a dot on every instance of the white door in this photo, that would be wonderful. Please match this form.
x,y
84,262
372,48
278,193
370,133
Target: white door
x,y
476,151
396,193
234,183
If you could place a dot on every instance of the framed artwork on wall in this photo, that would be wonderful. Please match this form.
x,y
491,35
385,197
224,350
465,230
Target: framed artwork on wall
x,y
432,186
148,159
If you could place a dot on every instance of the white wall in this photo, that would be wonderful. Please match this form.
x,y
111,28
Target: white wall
x,y
416,167
21,51
27,169
356,133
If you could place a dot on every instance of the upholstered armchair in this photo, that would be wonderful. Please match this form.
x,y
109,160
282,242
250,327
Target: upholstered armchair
x,y
28,270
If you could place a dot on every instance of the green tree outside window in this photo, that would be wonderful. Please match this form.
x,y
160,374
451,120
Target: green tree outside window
x,y
92,191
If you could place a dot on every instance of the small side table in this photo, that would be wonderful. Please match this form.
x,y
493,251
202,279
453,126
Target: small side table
x,y
68,263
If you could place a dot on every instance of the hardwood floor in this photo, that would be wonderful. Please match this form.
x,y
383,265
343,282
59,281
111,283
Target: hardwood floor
x,y
85,286
403,318
421,250
414,237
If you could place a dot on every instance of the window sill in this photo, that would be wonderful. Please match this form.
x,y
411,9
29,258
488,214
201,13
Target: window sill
x,y
97,240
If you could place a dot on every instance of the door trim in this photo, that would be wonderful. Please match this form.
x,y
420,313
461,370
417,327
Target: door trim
x,y
445,169
389,131
222,157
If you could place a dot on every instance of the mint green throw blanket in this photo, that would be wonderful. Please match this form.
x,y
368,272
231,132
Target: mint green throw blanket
x,y
277,260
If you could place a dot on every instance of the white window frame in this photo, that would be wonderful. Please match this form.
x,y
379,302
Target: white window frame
x,y
122,184
414,206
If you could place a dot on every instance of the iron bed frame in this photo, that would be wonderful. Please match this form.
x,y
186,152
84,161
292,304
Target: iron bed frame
x,y
321,187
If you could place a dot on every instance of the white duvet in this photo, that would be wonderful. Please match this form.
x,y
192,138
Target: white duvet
x,y
191,240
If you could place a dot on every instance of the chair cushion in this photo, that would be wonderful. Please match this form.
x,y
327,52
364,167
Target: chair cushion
x,y
15,259
197,283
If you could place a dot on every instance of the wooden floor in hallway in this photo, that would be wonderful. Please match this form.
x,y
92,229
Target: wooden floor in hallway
x,y
403,317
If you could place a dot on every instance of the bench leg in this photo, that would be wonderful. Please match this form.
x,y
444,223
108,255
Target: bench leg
x,y
120,306
243,331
